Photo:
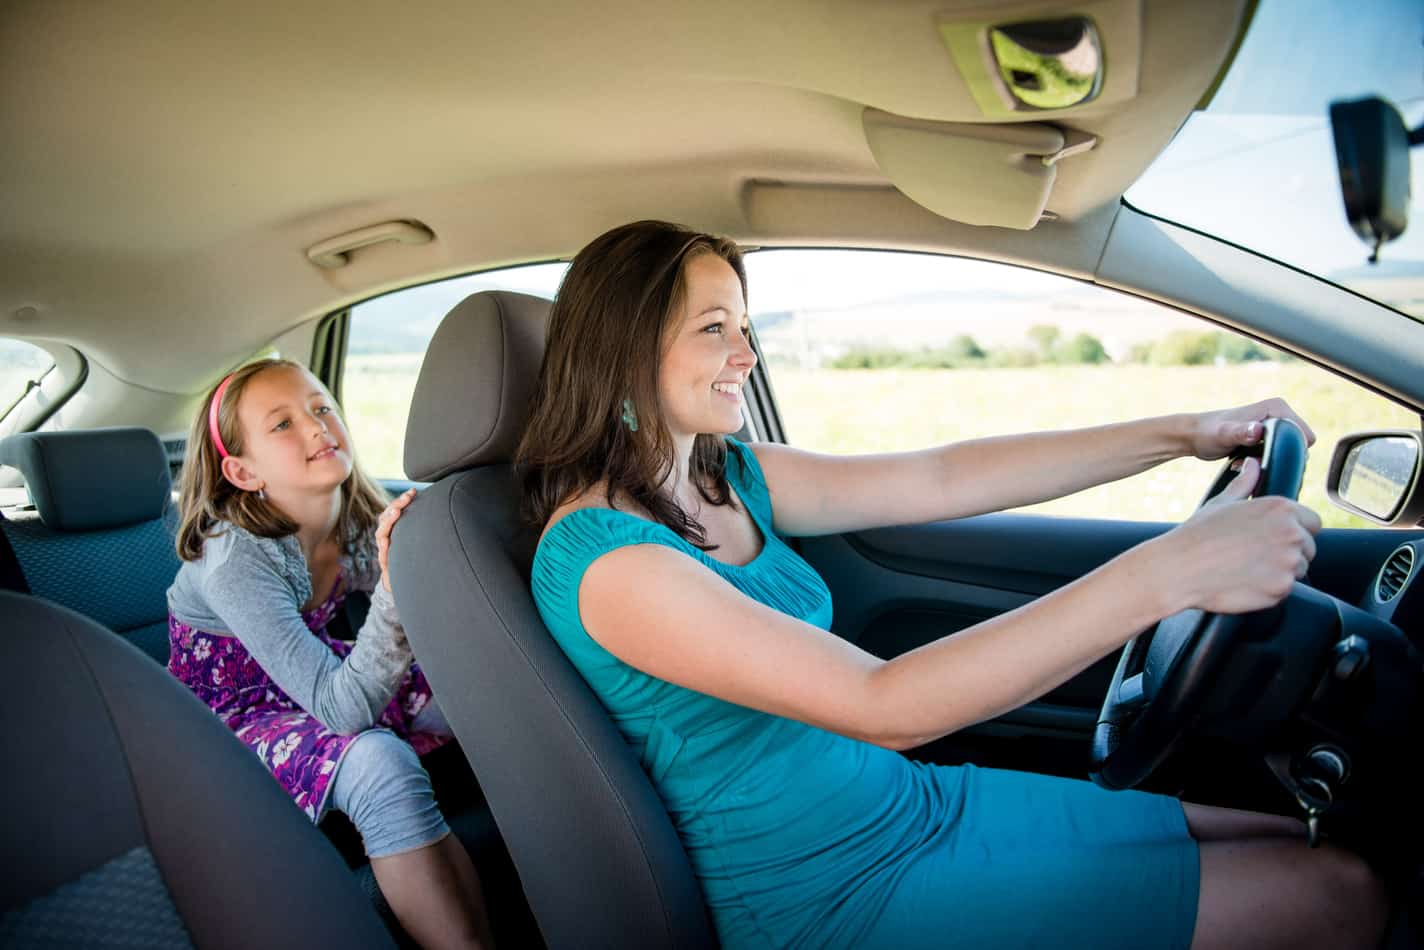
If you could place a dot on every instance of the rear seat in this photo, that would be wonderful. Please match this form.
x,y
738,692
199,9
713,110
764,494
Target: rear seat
x,y
99,539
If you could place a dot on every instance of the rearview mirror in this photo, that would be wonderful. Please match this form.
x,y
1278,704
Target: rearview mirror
x,y
1376,475
1372,150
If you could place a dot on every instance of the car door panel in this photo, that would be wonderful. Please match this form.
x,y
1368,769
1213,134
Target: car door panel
x,y
898,588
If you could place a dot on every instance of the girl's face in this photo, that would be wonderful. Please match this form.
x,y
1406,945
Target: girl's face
x,y
293,439
708,353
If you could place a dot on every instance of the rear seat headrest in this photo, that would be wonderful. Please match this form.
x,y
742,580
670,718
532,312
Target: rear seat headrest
x,y
472,397
93,478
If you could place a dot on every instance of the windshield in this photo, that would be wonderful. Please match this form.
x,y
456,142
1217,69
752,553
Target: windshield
x,y
1257,167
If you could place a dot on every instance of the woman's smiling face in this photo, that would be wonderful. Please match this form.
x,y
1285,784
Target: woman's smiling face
x,y
708,354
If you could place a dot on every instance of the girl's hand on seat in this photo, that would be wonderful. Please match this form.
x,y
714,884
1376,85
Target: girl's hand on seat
x,y
383,533
1216,434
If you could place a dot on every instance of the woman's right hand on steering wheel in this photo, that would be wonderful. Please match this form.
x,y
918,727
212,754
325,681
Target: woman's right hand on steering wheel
x,y
1237,554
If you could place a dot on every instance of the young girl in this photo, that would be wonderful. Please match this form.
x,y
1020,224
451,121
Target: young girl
x,y
277,526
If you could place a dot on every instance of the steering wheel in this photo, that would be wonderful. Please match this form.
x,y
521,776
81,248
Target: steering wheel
x,y
1164,674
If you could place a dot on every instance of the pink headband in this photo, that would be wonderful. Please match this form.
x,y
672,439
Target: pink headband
x,y
213,408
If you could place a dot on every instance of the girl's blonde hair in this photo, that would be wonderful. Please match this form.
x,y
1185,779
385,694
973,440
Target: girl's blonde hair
x,y
206,498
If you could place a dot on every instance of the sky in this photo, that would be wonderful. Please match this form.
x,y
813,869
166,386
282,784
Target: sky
x,y
1258,166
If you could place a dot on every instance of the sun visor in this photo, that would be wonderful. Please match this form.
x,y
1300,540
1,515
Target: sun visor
x,y
990,174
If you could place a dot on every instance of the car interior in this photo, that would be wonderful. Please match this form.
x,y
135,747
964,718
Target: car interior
x,y
191,188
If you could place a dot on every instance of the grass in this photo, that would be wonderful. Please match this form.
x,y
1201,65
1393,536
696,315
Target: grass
x,y
853,411
375,396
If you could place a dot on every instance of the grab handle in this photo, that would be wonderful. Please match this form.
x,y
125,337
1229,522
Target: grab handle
x,y
336,252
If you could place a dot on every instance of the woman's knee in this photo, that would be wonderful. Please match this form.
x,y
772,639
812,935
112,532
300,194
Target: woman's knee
x,y
1350,892
1355,881
1284,893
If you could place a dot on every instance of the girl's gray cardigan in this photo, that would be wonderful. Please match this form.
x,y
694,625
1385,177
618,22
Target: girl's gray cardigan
x,y
253,588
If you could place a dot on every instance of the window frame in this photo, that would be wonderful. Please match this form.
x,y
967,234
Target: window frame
x,y
72,367
331,338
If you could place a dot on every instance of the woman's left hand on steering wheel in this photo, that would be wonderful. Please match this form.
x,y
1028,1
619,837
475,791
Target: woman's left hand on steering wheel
x,y
1217,434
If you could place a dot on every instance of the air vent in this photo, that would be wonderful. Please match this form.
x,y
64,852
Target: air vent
x,y
1394,574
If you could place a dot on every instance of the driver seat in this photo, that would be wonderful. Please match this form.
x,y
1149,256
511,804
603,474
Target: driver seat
x,y
599,859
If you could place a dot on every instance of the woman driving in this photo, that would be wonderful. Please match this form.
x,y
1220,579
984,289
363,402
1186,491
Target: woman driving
x,y
663,574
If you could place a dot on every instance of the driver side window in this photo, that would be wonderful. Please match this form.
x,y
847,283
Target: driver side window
x,y
877,351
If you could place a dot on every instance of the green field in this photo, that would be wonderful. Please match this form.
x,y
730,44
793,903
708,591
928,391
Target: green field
x,y
375,398
849,411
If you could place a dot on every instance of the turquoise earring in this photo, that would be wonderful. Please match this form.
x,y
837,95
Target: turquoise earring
x,y
630,418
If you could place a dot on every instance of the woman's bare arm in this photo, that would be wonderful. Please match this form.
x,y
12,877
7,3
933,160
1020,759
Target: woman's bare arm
x,y
815,494
670,616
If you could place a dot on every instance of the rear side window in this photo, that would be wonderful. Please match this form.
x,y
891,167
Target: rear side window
x,y
21,365
386,343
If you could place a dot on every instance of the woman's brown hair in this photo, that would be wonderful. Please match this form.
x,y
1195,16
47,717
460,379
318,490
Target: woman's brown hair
x,y
206,499
615,306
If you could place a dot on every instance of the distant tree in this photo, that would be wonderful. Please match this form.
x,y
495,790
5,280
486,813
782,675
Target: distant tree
x,y
1044,336
963,349
1083,348
959,352
863,356
1185,348
927,358
1240,349
1012,357
1200,348
1140,352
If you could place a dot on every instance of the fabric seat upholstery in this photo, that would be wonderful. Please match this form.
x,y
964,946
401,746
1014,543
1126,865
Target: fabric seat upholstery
x,y
599,858
141,820
100,540
102,543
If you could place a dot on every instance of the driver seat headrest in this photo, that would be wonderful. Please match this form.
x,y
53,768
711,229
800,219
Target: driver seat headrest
x,y
472,397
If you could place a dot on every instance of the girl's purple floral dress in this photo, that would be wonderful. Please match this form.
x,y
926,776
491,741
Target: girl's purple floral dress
x,y
298,750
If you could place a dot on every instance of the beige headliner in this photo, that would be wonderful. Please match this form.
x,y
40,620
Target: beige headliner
x,y
164,166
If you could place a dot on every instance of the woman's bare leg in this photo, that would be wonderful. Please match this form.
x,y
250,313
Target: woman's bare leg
x,y
1213,823
435,894
1263,886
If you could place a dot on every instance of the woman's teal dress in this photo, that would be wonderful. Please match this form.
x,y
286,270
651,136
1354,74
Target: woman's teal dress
x,y
804,838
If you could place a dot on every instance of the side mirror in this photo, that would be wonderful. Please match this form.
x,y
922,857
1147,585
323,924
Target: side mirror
x,y
1372,150
1376,476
